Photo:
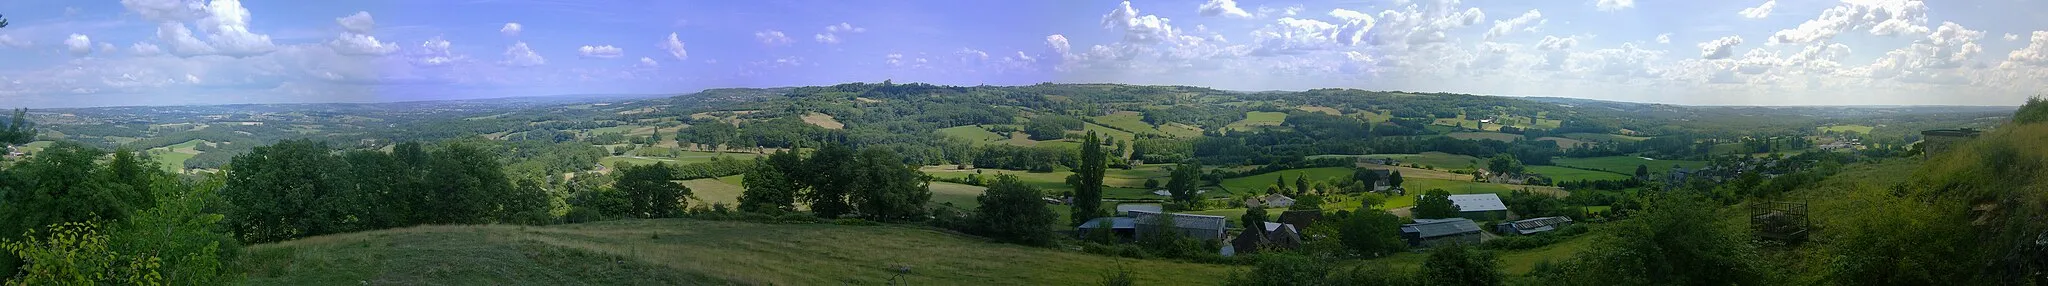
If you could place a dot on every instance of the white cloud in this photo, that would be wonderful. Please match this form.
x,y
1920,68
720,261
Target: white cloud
x,y
1664,38
2035,54
360,23
772,38
106,48
166,10
896,60
359,44
1878,17
675,49
79,45
9,41
1553,43
519,55
1418,25
145,49
1759,12
224,22
649,62
1719,48
435,52
602,52
831,34
2012,37
1141,29
1614,5
227,27
511,29
1226,8
1504,27
1058,43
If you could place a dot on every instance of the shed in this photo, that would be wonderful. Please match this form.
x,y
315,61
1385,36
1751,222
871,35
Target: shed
x,y
1127,208
1480,206
1124,228
1533,226
1204,227
1434,232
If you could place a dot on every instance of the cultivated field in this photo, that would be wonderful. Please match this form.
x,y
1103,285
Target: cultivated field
x,y
1626,164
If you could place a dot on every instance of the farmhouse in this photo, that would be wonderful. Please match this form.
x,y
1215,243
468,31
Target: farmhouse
x,y
1271,201
1533,226
1433,232
1204,227
1480,206
1122,209
1274,236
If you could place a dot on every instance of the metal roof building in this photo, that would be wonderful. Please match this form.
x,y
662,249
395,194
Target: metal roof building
x,y
1432,232
1478,202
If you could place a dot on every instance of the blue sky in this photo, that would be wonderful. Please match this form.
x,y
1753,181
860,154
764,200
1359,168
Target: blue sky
x,y
1741,52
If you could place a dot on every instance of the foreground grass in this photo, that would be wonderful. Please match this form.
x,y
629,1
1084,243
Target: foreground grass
x,y
683,251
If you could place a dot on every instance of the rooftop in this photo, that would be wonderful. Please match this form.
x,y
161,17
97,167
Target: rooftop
x,y
1428,228
1186,220
1478,202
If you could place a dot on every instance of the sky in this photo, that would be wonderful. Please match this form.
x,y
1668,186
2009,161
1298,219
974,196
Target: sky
x,y
1736,52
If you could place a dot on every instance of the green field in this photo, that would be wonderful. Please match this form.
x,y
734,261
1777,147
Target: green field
x,y
1128,120
1258,118
1496,136
1178,130
1418,186
975,134
1100,130
173,161
686,252
1626,164
683,157
961,196
1852,128
1513,262
1440,160
1602,137
715,191
1568,174
1258,183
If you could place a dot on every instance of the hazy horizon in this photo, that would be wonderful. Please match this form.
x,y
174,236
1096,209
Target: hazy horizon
x,y
1741,53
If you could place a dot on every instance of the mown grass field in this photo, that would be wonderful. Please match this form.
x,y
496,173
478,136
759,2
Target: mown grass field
x,y
1128,120
1862,129
974,134
1440,160
1603,137
1495,136
1257,119
1626,164
1258,183
683,157
961,196
1178,130
688,252
1569,174
715,191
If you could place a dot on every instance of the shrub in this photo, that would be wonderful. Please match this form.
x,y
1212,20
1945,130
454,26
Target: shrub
x,y
854,222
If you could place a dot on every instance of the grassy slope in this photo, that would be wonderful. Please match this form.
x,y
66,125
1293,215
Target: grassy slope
x,y
1128,120
1569,174
1440,160
1255,119
1496,136
971,133
682,251
715,190
1626,164
1864,129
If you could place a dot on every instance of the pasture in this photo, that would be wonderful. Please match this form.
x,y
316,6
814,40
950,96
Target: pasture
x,y
1568,174
1495,136
1626,164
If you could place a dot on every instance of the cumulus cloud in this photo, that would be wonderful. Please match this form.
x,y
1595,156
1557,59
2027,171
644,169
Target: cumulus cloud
x,y
79,45
1878,17
1418,25
649,62
434,52
166,10
602,52
1504,27
2035,54
145,49
1719,48
511,29
225,23
227,27
1614,5
1759,12
831,34
519,55
1058,43
772,38
1226,8
2012,37
1290,35
1138,28
106,48
360,23
675,49
1664,38
1553,43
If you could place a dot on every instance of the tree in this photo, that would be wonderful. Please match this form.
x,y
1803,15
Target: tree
x,y
1365,176
1014,212
1504,163
1253,218
649,191
1151,183
20,130
768,190
2035,110
1532,204
1457,264
829,174
1088,184
284,191
468,185
884,189
1181,184
1300,185
1394,179
1307,202
1642,172
1280,182
1435,204
1370,232
1677,238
